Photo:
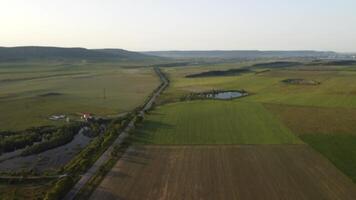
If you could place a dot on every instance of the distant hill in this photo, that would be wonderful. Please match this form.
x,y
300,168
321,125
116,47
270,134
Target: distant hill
x,y
59,53
241,54
332,62
48,53
124,53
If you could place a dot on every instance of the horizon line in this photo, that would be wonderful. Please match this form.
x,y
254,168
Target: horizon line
x,y
182,50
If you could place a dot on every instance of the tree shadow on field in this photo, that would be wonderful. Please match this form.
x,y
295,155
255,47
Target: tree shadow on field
x,y
104,193
117,174
139,158
136,155
146,133
156,113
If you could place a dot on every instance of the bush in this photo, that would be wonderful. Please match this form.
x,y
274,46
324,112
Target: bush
x,y
115,151
60,189
139,119
18,141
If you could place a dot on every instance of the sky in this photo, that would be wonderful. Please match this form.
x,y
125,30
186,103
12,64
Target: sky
x,y
143,25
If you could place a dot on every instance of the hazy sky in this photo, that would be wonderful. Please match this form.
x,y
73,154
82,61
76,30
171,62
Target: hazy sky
x,y
181,24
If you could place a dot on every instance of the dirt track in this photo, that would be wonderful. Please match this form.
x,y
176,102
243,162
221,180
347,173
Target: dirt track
x,y
224,172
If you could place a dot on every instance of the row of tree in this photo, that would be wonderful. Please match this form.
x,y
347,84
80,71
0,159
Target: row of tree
x,y
86,158
62,136
11,141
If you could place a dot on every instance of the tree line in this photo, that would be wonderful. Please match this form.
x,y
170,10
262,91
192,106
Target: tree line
x,y
60,137
11,141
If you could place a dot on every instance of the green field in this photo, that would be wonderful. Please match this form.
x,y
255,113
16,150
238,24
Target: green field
x,y
316,120
320,116
30,93
337,88
340,149
214,122
323,116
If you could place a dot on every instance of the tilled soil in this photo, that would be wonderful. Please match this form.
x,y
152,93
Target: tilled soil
x,y
224,172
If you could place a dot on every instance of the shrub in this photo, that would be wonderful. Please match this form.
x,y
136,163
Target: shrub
x,y
60,189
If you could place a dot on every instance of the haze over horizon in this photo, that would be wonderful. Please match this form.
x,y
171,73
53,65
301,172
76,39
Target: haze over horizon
x,y
143,25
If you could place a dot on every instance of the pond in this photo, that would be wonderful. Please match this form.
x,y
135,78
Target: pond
x,y
226,95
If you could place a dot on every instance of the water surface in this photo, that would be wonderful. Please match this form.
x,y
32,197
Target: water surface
x,y
226,95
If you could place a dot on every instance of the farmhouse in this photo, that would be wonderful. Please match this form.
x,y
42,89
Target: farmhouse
x,y
86,116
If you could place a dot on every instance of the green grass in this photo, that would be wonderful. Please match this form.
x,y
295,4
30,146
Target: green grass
x,y
340,149
81,89
213,122
315,120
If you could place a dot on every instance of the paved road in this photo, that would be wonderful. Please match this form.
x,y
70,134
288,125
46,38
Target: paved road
x,y
119,140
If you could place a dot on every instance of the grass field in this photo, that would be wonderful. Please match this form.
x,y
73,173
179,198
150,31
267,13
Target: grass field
x,y
337,88
213,122
23,191
315,120
224,172
30,94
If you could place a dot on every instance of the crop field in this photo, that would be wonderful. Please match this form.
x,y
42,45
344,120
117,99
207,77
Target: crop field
x,y
315,120
30,94
340,149
283,141
328,121
331,131
224,172
213,122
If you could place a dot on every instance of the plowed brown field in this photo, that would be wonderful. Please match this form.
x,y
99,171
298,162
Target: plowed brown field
x,y
249,172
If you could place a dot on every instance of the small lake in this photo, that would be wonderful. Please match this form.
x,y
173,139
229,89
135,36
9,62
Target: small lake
x,y
226,95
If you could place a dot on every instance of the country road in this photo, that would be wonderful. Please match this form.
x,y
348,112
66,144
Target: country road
x,y
119,140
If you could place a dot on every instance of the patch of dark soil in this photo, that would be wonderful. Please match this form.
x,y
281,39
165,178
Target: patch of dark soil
x,y
41,77
230,72
263,71
300,81
279,64
332,63
178,64
49,94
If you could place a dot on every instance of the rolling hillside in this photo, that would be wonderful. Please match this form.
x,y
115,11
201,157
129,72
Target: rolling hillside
x,y
58,53
241,54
